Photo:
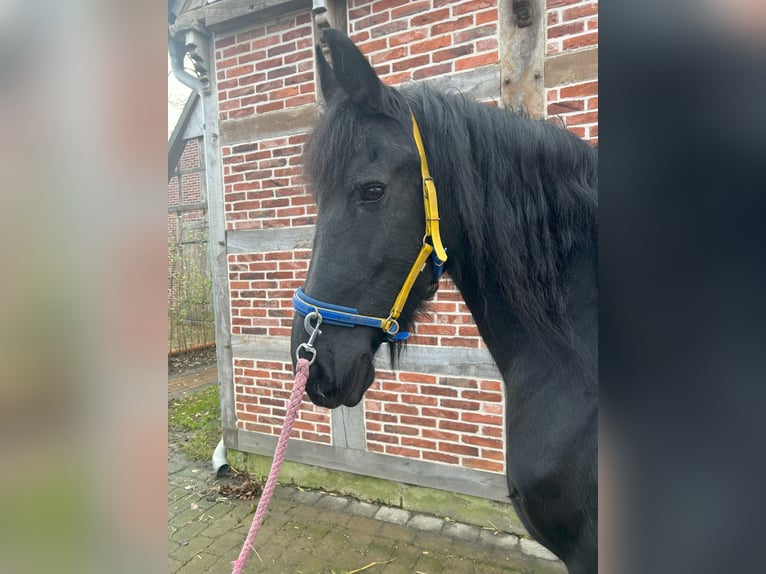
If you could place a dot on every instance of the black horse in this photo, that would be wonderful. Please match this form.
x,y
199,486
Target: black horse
x,y
518,203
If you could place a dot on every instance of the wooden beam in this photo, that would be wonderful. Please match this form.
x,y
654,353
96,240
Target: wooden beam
x,y
409,471
268,125
571,68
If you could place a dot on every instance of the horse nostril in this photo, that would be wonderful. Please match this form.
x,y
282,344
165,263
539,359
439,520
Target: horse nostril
x,y
319,380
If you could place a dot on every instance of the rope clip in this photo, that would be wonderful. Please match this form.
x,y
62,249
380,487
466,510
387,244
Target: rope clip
x,y
314,332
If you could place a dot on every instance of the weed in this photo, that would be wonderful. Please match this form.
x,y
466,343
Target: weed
x,y
194,421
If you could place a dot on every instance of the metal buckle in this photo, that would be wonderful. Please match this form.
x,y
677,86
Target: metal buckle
x,y
314,332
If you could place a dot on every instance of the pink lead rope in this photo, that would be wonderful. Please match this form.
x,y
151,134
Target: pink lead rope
x,y
301,376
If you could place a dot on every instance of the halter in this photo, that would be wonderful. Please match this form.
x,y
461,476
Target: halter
x,y
350,317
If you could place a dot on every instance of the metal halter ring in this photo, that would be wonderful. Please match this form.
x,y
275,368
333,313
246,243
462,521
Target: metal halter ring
x,y
314,332
393,327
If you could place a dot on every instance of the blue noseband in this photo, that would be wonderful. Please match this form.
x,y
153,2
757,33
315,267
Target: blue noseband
x,y
344,316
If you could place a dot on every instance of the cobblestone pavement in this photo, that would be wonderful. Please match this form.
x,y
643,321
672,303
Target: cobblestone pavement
x,y
309,532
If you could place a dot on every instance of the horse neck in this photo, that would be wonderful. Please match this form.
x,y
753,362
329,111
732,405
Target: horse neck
x,y
509,339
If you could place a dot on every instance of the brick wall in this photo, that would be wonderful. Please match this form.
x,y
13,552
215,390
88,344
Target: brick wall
x,y
268,68
263,184
422,39
572,25
185,189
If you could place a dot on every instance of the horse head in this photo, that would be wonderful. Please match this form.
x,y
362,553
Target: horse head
x,y
364,168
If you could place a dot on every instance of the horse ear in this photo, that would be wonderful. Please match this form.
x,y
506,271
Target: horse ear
x,y
327,80
353,71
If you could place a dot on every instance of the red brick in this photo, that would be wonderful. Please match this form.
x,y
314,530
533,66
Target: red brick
x,y
458,449
471,6
410,8
474,33
381,417
417,421
430,17
481,418
476,61
371,20
452,53
452,25
580,11
295,33
383,5
399,451
252,56
388,29
488,16
400,409
579,90
440,435
483,464
584,118
361,11
566,29
417,378
235,50
459,342
239,71
379,437
388,55
482,396
400,430
440,457
565,107
459,405
223,42
242,112
419,400
590,39
405,38
483,441
418,443
458,426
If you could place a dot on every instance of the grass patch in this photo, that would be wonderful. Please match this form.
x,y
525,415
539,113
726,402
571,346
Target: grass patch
x,y
194,423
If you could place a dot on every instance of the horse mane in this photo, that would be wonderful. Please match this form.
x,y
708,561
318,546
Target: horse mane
x,y
525,191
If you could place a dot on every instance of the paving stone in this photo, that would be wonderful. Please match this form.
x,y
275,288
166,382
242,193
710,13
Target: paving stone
x,y
536,549
426,522
308,497
461,531
359,508
336,503
310,532
393,515
500,539
199,564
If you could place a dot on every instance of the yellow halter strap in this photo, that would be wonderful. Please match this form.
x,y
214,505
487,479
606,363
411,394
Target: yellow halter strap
x,y
432,232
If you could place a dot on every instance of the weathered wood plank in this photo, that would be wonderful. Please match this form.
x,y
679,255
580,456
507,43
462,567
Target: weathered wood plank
x,y
399,469
218,263
263,240
348,428
446,361
230,14
521,60
269,125
571,68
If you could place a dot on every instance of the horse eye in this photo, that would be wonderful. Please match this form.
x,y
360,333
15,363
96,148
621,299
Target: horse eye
x,y
372,192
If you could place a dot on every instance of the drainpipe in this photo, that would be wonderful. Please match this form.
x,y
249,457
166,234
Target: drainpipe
x,y
177,54
178,49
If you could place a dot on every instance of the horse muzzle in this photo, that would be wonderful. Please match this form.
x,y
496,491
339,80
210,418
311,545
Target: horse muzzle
x,y
333,383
